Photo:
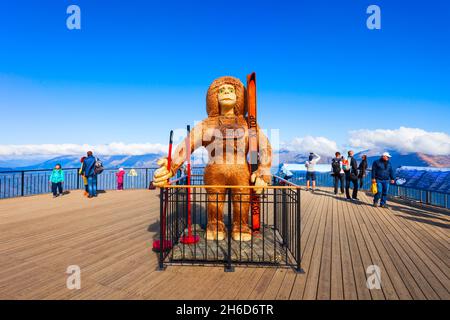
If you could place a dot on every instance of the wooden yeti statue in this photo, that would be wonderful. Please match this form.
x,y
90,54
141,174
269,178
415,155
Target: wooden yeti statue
x,y
225,136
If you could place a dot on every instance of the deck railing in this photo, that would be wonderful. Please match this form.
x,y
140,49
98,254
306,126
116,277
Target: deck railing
x,y
19,183
32,182
438,199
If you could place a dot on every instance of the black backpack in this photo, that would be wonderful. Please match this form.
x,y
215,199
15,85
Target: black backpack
x,y
336,167
98,166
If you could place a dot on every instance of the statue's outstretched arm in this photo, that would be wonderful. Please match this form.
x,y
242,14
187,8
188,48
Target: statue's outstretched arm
x,y
178,157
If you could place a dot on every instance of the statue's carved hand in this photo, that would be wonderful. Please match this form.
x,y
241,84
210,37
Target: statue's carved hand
x,y
162,174
258,182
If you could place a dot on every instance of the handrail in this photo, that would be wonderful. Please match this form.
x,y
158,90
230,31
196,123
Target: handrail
x,y
229,187
47,170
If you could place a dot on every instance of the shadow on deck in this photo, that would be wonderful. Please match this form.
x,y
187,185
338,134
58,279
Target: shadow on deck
x,y
110,237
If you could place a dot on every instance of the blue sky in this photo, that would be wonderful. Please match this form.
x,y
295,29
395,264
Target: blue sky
x,y
137,69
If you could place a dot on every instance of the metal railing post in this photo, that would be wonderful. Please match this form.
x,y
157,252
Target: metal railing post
x,y
299,236
283,217
23,184
78,179
228,266
161,228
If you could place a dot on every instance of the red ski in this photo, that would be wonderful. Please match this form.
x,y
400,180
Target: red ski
x,y
253,147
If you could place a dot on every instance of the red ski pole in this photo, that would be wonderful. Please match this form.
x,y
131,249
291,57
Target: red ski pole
x,y
167,244
189,239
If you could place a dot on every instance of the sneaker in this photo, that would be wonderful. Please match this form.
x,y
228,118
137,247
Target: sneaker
x,y
356,199
55,196
385,206
89,196
375,204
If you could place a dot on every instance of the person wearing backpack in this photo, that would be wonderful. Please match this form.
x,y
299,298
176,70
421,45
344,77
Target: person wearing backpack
x,y
337,172
88,170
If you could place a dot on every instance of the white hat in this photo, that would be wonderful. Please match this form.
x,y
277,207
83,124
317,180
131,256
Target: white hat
x,y
120,169
387,154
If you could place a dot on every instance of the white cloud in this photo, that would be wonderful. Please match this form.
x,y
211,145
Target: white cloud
x,y
404,140
115,148
319,145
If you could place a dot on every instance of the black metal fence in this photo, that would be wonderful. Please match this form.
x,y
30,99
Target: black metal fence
x,y
220,218
32,182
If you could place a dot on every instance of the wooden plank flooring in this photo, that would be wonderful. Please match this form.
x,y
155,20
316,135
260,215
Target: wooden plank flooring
x,y
110,239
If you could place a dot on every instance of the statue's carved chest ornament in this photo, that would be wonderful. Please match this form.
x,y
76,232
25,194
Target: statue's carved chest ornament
x,y
230,129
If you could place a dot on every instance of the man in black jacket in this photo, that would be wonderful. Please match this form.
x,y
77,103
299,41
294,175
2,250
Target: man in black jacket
x,y
337,172
351,176
362,170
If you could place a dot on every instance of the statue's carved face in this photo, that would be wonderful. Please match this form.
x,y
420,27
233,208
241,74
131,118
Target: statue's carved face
x,y
227,96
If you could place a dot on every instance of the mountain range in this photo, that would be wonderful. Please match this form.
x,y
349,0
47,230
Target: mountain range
x,y
200,159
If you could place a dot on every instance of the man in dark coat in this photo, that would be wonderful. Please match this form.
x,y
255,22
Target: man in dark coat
x,y
337,172
88,170
382,175
351,176
362,170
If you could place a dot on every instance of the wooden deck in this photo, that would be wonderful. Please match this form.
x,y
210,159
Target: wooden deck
x,y
109,238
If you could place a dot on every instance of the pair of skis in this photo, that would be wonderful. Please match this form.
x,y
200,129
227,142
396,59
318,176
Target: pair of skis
x,y
253,148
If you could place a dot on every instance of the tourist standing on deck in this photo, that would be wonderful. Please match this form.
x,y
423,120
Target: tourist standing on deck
x,y
88,170
311,170
362,171
119,175
85,182
382,175
337,172
351,176
57,180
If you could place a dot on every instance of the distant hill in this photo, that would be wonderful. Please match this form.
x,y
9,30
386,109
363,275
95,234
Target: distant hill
x,y
286,156
200,158
140,161
398,159
412,159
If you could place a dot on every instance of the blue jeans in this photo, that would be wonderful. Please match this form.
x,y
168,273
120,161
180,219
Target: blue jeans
x,y
92,185
383,188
